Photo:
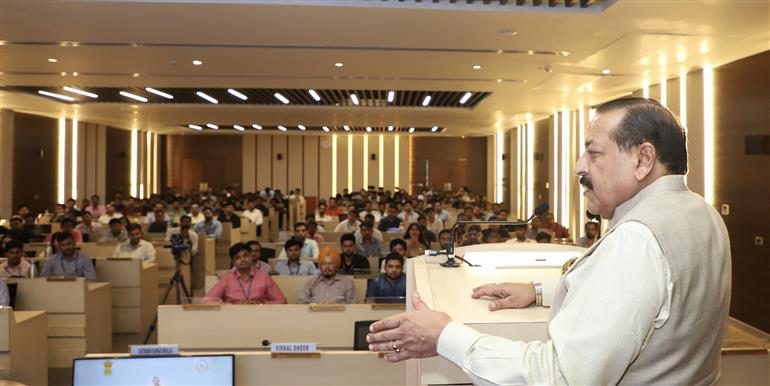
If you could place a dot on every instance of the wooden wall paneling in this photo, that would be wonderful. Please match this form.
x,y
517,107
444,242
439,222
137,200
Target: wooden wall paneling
x,y
358,161
695,131
118,161
310,165
264,157
325,166
507,182
387,159
542,166
280,167
460,161
655,91
34,161
373,165
6,158
405,160
741,98
295,162
490,154
672,95
342,162
249,145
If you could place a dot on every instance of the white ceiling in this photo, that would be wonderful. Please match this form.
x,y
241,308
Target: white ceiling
x,y
411,46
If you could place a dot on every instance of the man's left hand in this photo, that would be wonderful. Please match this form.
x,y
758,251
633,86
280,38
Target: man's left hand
x,y
409,335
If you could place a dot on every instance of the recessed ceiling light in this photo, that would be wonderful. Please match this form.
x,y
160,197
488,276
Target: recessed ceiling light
x,y
391,96
136,75
206,97
508,32
390,128
281,128
368,129
346,127
411,129
324,128
256,126
426,100
75,73
477,67
159,93
237,94
301,127
281,98
434,129
314,95
606,71
197,62
212,126
133,96
354,99
81,92
63,73
238,127
57,96
195,127
530,52
52,60
338,64
465,97
499,80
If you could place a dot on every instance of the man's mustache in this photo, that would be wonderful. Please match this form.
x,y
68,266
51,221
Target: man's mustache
x,y
585,181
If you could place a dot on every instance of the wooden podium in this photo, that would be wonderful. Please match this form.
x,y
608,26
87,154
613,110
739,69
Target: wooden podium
x,y
449,290
23,340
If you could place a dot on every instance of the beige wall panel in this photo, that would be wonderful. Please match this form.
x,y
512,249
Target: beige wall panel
x,y
490,192
294,159
280,167
249,160
655,91
342,162
310,164
6,158
374,166
387,160
695,131
101,161
324,166
672,95
264,158
358,162
405,143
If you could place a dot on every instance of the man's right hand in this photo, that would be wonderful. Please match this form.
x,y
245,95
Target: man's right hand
x,y
509,295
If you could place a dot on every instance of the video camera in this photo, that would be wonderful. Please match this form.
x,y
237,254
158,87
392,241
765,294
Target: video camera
x,y
178,245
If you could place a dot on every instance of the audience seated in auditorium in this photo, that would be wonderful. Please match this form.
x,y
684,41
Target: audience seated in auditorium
x,y
116,233
555,229
293,266
17,230
196,215
109,214
534,227
252,213
408,215
68,227
309,247
70,209
332,209
228,215
135,246
296,194
368,244
391,222
175,211
416,244
520,235
441,213
369,218
328,287
432,222
429,236
321,215
312,231
68,261
150,217
245,284
96,209
369,210
15,264
391,284
444,237
350,261
161,222
90,230
184,230
543,237
210,226
350,224
255,251
592,231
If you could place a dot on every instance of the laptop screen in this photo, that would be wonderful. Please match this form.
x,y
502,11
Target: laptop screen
x,y
196,370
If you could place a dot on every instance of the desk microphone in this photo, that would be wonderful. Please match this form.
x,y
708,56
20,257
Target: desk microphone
x,y
449,247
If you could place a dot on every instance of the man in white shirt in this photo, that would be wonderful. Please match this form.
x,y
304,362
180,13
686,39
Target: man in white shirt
x,y
135,247
196,215
252,213
309,246
109,214
408,215
434,224
350,224
520,235
369,211
441,214
647,303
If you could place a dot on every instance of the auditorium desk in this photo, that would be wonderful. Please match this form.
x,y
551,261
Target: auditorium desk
x,y
134,297
79,318
330,368
242,327
22,341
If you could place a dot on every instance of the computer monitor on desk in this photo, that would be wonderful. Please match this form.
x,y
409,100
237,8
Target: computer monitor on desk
x,y
155,371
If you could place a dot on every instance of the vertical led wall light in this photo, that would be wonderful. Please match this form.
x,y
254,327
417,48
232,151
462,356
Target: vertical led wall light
x,y
334,164
555,181
366,161
381,160
395,160
74,172
62,159
350,163
134,170
499,167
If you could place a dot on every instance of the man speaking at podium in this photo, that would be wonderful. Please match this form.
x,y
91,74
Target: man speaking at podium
x,y
646,304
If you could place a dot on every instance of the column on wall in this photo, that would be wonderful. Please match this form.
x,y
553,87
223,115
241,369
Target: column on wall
x,y
6,159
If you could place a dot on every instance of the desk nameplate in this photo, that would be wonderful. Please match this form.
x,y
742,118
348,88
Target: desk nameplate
x,y
326,307
201,307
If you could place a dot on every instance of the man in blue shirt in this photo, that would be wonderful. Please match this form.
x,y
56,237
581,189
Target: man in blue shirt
x,y
391,221
211,227
69,262
391,284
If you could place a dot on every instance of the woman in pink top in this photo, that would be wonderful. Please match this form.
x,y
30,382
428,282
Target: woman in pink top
x,y
245,284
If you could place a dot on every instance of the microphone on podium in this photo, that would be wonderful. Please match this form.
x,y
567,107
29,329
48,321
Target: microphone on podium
x,y
450,247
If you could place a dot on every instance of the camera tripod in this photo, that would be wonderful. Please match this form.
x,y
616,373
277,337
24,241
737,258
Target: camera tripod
x,y
176,282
